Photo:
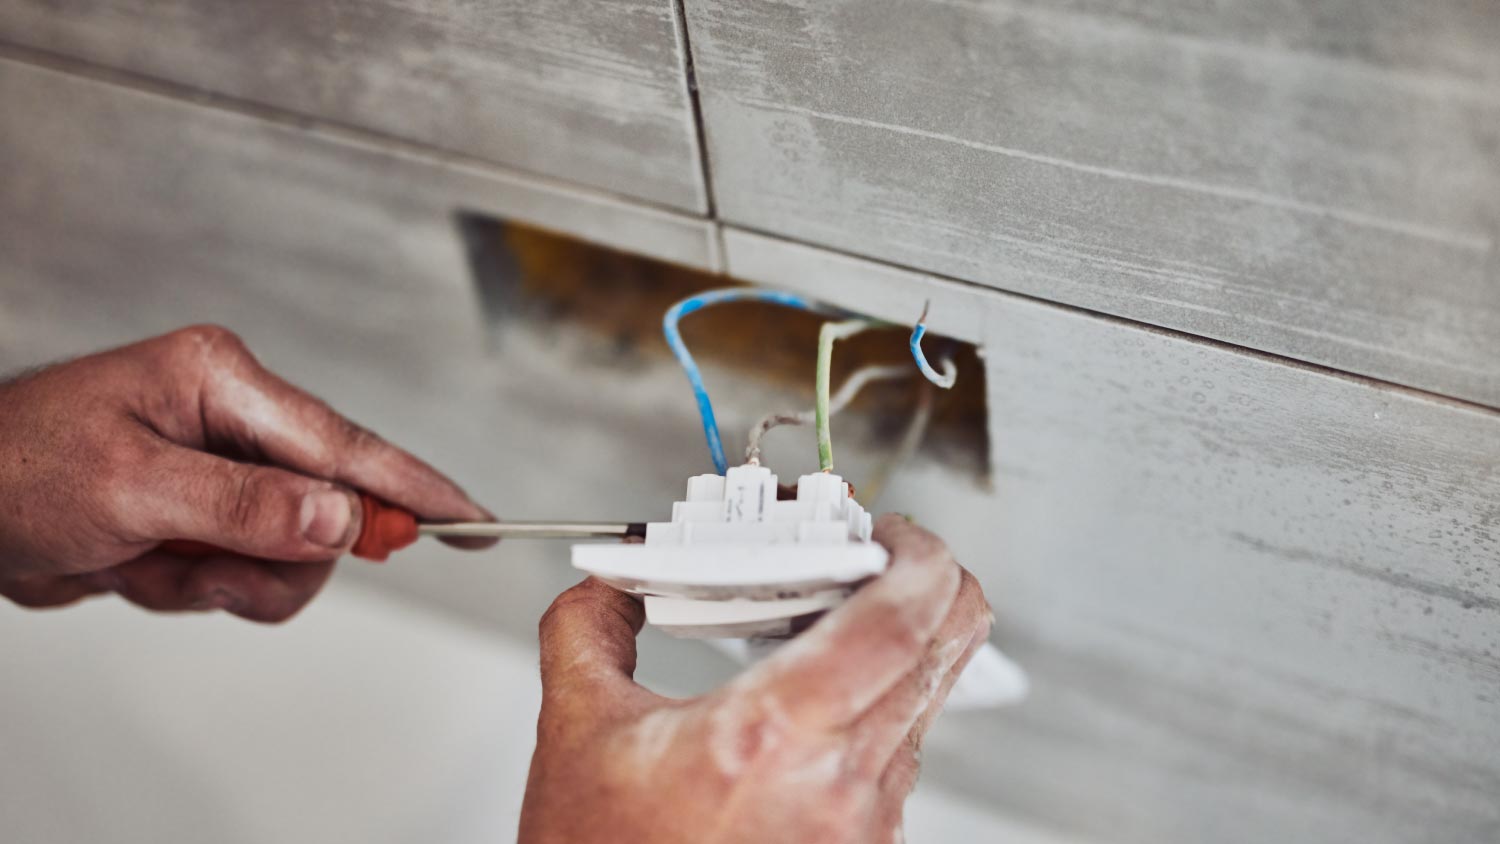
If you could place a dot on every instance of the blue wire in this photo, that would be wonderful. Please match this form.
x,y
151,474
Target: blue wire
x,y
690,367
943,381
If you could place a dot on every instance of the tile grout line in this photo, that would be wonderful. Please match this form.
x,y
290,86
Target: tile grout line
x,y
340,133
690,80
982,290
319,127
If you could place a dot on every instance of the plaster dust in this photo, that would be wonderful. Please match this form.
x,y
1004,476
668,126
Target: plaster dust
x,y
650,740
742,728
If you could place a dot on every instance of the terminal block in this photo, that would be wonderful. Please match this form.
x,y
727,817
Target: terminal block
x,y
738,560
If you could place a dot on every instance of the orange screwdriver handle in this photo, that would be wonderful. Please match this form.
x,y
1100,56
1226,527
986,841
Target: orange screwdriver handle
x,y
383,529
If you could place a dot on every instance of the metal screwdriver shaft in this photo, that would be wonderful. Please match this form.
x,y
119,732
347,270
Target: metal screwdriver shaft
x,y
534,530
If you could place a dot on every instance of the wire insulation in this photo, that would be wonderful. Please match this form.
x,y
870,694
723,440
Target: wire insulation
x,y
766,423
831,332
690,366
942,380
841,399
825,407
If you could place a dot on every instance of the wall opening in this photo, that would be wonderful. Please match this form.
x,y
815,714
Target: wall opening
x,y
612,303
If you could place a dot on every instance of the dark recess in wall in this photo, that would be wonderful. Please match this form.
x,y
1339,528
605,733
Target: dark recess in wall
x,y
620,298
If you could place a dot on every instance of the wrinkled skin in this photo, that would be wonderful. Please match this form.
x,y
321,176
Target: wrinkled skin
x,y
819,742
187,436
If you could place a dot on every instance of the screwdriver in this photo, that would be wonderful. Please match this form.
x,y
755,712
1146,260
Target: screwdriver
x,y
385,528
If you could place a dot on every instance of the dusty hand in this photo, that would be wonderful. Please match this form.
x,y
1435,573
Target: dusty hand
x,y
186,436
816,743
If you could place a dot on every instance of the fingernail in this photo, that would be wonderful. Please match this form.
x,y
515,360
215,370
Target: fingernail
x,y
326,517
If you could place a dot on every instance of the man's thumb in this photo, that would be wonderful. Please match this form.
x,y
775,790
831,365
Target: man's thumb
x,y
588,640
258,511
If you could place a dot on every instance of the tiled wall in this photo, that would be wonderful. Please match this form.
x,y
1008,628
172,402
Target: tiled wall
x,y
1234,274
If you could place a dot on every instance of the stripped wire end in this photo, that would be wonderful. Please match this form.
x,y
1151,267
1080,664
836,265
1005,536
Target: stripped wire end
x,y
766,423
943,380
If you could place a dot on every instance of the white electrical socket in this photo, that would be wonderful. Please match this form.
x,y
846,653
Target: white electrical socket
x,y
737,563
732,543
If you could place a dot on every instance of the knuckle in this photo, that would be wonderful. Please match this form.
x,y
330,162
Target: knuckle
x,y
209,337
744,730
358,437
206,347
970,593
351,443
756,735
253,504
242,504
336,443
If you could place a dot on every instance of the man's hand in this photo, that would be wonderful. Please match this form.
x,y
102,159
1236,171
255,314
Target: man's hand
x,y
818,742
186,436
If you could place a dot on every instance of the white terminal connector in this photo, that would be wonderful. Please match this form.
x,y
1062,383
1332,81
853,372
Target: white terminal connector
x,y
736,562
